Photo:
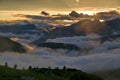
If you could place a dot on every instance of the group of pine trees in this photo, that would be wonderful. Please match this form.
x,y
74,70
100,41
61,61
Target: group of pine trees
x,y
14,66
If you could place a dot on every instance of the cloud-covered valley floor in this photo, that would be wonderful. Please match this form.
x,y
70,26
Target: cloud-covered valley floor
x,y
98,59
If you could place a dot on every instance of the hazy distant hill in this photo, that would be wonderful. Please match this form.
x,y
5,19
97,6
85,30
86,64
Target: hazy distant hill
x,y
82,28
8,45
87,26
55,46
18,28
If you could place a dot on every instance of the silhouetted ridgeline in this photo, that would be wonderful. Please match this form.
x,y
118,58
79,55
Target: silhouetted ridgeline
x,y
8,45
54,45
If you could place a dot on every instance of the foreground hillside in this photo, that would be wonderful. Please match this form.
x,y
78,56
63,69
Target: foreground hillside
x,y
8,45
7,73
109,74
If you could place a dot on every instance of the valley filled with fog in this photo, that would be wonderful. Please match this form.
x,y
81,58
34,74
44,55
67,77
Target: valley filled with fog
x,y
86,42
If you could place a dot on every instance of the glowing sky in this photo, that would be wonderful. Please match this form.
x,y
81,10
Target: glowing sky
x,y
55,4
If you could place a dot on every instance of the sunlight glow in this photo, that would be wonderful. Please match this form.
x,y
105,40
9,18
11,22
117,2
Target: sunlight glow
x,y
10,15
88,12
15,39
77,0
28,47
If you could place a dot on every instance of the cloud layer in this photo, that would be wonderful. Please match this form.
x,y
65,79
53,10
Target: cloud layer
x,y
103,56
43,58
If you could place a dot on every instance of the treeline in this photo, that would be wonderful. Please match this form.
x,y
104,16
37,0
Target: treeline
x,y
59,73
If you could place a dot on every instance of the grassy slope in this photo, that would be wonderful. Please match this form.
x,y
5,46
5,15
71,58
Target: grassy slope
x,y
109,74
15,74
7,73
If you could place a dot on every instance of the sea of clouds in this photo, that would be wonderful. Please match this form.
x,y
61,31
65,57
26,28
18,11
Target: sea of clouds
x,y
41,58
102,56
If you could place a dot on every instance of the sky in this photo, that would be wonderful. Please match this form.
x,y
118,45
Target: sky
x,y
55,4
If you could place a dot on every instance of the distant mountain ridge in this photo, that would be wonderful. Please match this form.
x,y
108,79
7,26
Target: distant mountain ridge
x,y
55,46
17,28
87,26
82,28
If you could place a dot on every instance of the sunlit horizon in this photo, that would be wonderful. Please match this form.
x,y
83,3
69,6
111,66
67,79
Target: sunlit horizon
x,y
8,15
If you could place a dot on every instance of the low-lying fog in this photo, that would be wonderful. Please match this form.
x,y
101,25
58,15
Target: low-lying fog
x,y
103,56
